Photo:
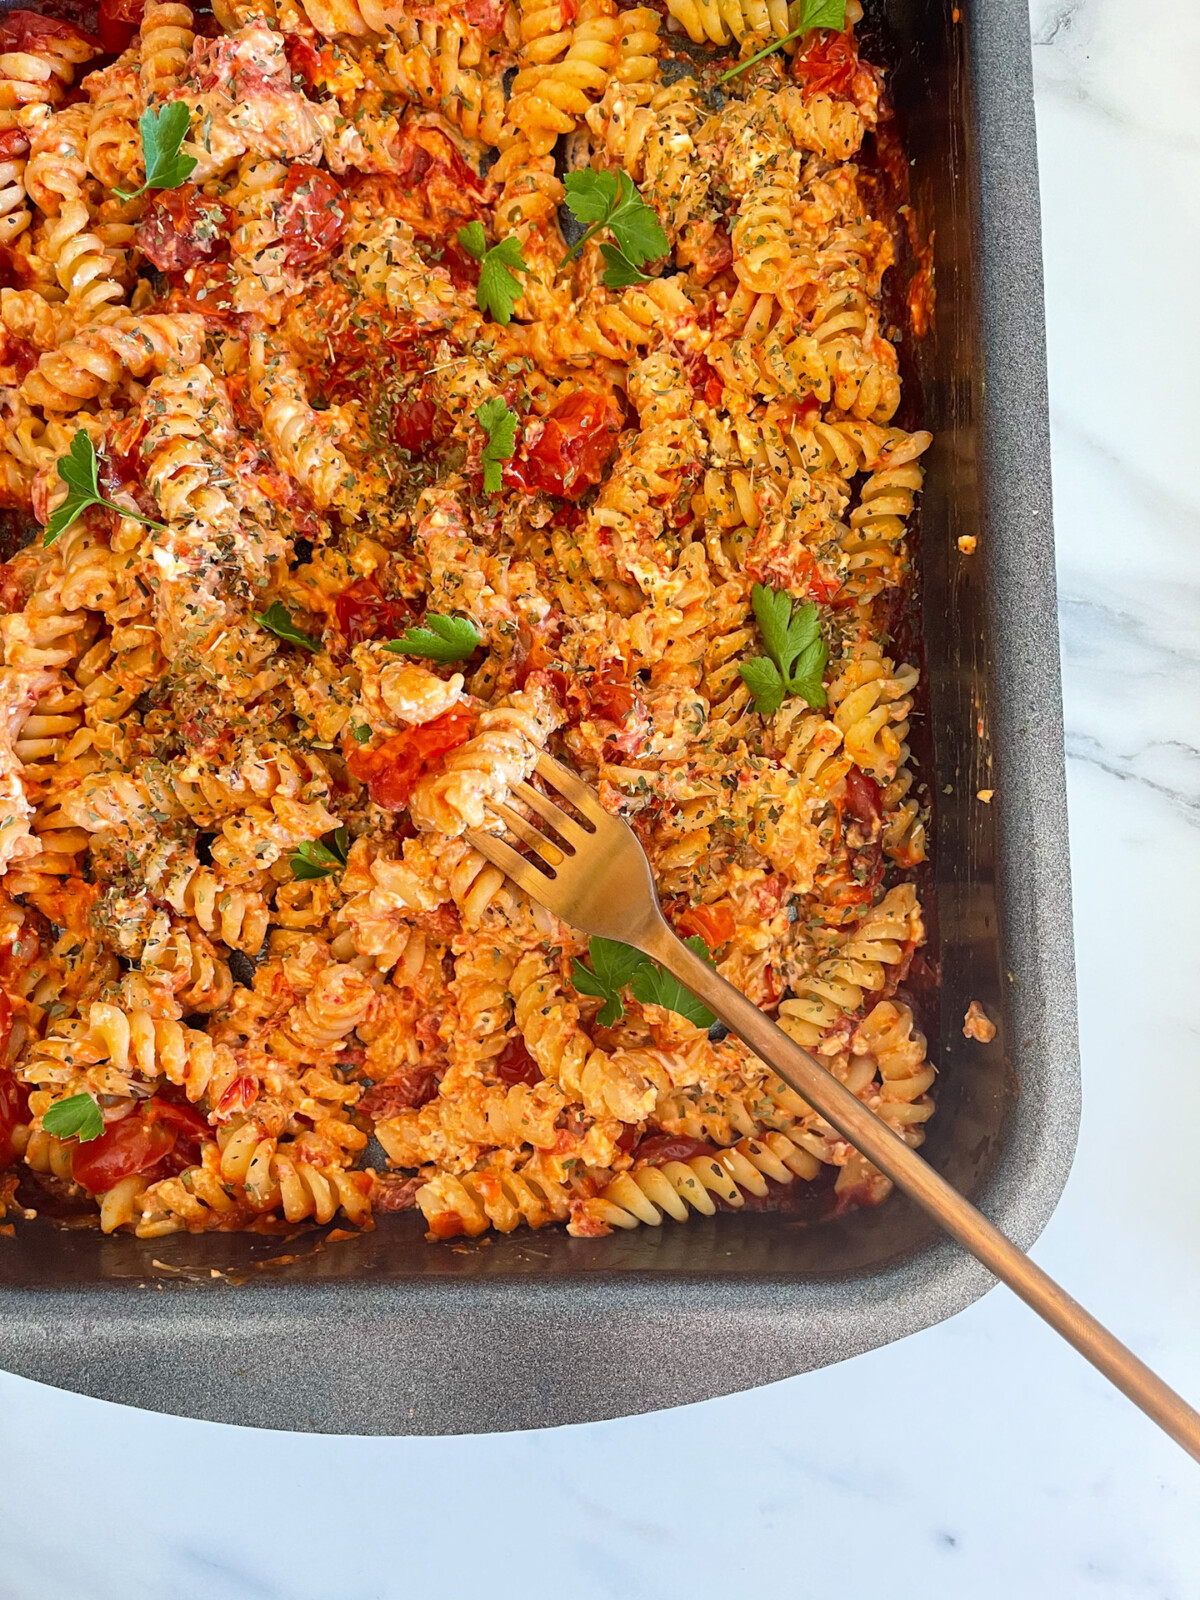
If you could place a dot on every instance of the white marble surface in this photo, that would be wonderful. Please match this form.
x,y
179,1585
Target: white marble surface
x,y
980,1460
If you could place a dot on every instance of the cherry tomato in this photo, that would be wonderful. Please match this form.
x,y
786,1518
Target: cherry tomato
x,y
25,31
399,1093
392,772
707,383
715,924
567,453
658,1148
13,142
14,1109
118,22
863,798
132,1145
206,288
363,611
17,353
303,58
182,227
413,426
314,213
240,1096
613,699
486,15
187,1122
827,64
514,1064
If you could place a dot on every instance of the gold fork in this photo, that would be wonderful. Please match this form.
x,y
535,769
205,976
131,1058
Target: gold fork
x,y
595,876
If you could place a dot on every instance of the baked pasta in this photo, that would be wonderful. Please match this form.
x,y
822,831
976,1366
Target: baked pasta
x,y
390,394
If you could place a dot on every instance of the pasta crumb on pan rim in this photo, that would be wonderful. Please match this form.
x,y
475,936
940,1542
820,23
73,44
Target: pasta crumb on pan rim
x,y
409,465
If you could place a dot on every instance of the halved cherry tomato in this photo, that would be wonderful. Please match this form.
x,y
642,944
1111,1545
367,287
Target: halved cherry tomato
x,y
863,798
314,213
392,772
567,452
182,227
14,1109
514,1064
135,1144
363,611
659,1148
715,924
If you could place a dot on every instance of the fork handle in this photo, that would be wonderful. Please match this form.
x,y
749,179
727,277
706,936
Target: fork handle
x,y
875,1140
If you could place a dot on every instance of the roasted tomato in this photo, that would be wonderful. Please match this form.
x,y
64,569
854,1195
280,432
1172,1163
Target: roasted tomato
x,y
363,611
314,213
864,799
567,452
400,1092
14,1109
714,924
658,1148
183,227
26,31
240,1096
828,64
392,771
432,188
514,1064
707,383
612,698
135,1144
413,423
486,15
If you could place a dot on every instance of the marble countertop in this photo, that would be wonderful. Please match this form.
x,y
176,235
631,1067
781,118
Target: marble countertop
x,y
980,1460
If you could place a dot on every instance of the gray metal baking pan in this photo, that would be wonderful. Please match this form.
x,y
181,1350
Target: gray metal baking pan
x,y
385,1334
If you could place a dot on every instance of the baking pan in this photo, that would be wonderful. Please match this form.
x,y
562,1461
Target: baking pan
x,y
384,1333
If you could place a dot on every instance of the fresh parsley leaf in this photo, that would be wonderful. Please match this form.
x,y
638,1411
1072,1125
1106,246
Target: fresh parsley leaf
x,y
813,14
591,195
77,469
653,985
313,858
498,291
795,647
278,619
500,425
762,679
473,240
621,272
361,732
162,134
76,1116
614,965
611,200
824,14
441,639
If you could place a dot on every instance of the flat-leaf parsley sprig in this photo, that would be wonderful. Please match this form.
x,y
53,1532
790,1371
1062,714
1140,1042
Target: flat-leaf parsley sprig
x,y
813,14
498,290
315,859
796,653
162,134
78,1116
441,639
77,469
611,200
500,425
616,966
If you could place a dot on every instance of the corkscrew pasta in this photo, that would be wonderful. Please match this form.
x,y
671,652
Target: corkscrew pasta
x,y
255,974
